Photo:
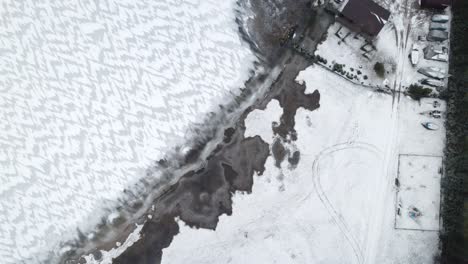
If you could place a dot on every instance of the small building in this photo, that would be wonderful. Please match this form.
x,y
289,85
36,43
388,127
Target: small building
x,y
364,16
435,4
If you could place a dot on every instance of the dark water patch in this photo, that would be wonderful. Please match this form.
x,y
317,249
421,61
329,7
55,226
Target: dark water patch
x,y
279,152
229,173
292,99
283,148
193,154
294,158
200,196
228,133
155,235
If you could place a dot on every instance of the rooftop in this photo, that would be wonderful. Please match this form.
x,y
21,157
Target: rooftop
x,y
365,16
438,4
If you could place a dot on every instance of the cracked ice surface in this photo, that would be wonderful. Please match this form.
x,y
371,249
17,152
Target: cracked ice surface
x,y
91,92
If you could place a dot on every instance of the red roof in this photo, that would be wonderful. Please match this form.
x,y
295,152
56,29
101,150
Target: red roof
x,y
368,16
437,4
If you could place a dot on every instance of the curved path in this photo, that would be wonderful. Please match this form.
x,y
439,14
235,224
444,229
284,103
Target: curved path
x,y
334,213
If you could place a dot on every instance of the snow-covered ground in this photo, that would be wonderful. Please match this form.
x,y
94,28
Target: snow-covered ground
x,y
92,92
338,205
418,199
348,52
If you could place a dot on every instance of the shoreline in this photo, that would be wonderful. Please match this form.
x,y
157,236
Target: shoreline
x,y
202,194
393,236
145,248
285,59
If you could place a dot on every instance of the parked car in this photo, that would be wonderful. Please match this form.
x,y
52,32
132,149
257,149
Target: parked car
x,y
433,72
438,26
432,82
435,114
440,18
414,54
430,126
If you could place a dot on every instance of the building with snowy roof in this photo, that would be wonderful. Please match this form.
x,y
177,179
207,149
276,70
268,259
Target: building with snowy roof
x,y
364,16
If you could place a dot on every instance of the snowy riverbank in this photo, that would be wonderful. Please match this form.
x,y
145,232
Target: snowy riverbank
x,y
338,205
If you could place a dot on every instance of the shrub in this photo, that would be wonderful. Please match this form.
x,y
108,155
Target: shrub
x,y
379,68
321,59
339,68
365,77
417,91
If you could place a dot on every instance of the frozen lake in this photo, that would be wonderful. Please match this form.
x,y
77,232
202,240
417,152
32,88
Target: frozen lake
x,y
91,93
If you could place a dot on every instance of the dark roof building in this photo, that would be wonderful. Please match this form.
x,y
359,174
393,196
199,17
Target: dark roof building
x,y
364,16
436,4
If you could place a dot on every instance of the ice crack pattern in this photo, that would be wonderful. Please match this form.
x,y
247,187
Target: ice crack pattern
x,y
91,92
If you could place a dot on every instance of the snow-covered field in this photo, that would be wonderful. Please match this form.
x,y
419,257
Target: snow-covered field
x,y
338,205
92,92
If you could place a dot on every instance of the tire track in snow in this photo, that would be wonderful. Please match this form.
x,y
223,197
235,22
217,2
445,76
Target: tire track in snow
x,y
402,31
334,213
405,31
